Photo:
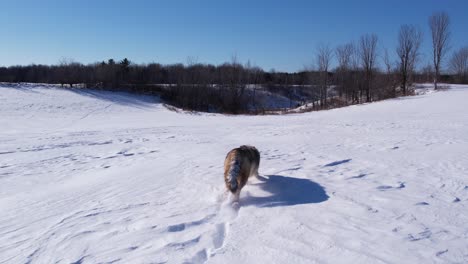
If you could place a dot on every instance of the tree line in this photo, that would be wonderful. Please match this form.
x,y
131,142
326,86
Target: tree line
x,y
232,86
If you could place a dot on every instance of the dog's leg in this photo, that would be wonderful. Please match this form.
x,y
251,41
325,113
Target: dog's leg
x,y
255,172
234,197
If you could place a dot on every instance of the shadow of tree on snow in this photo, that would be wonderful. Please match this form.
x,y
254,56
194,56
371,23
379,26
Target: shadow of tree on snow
x,y
285,191
118,97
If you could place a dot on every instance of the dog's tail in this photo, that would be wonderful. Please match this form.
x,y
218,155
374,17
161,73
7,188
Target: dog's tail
x,y
233,173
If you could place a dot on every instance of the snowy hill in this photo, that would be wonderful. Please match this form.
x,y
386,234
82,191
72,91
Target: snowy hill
x,y
100,177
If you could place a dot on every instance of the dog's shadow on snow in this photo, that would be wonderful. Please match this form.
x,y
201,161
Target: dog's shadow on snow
x,y
285,191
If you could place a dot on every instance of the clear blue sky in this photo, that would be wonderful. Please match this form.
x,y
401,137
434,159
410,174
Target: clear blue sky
x,y
271,34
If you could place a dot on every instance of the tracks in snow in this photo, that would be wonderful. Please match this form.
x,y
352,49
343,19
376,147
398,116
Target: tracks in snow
x,y
217,233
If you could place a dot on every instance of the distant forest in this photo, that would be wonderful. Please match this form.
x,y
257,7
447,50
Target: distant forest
x,y
205,87
231,87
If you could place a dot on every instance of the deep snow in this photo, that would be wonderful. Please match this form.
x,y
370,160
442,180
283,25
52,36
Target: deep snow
x,y
99,177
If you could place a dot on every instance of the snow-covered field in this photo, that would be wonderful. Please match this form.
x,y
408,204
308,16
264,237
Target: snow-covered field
x,y
99,177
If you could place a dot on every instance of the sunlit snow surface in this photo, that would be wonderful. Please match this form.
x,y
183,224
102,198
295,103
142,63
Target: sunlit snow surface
x,y
101,177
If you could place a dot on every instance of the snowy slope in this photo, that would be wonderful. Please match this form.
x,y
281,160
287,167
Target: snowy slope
x,y
99,177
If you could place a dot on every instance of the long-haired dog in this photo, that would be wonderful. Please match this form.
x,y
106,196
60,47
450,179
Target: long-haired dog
x,y
239,165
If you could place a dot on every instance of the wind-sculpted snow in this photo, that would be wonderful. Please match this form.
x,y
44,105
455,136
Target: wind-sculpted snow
x,y
100,177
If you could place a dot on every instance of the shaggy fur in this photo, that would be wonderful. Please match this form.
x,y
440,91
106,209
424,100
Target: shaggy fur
x,y
239,165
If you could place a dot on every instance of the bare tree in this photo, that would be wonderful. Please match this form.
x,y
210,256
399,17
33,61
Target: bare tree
x,y
439,25
356,75
368,54
409,41
324,57
389,73
427,72
235,83
69,71
344,55
387,63
459,64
